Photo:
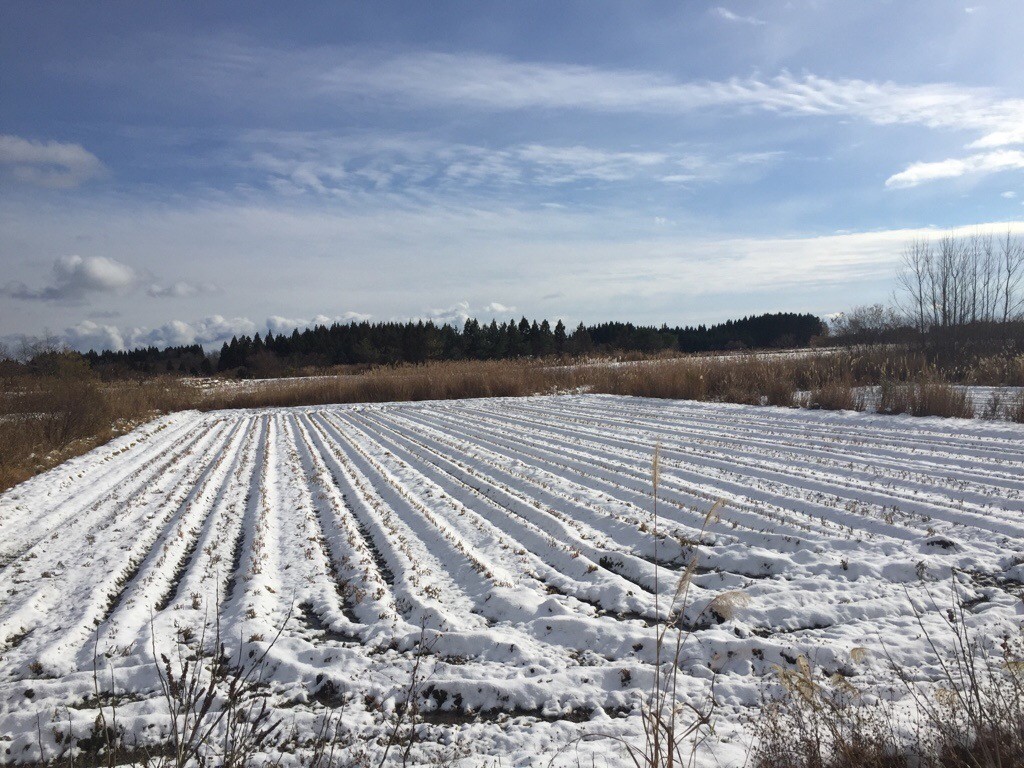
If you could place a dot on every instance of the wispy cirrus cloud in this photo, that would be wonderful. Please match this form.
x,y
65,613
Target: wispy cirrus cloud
x,y
51,164
417,80
341,166
725,13
180,289
495,83
438,80
499,84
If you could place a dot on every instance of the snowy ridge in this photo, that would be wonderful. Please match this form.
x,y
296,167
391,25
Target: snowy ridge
x,y
518,532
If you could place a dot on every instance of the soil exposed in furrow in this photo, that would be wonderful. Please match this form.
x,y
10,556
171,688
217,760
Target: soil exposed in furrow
x,y
828,511
114,466
84,602
688,504
793,468
509,547
556,545
830,448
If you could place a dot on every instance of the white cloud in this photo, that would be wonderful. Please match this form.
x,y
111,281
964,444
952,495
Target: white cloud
x,y
457,314
494,83
602,263
555,165
1009,195
48,164
728,15
180,289
980,164
1001,138
280,325
88,335
443,81
496,308
211,332
215,330
498,84
76,277
301,163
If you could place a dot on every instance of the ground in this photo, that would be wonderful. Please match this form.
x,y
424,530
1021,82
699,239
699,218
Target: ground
x,y
512,540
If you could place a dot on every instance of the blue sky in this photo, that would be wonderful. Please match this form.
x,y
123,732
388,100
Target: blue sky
x,y
174,173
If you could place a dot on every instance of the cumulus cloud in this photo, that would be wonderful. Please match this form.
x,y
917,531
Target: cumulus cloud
x,y
89,334
725,13
48,164
457,314
279,324
980,164
211,332
76,277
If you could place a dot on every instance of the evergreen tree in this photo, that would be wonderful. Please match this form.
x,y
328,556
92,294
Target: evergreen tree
x,y
560,339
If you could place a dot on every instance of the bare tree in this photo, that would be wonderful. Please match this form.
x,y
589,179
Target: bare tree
x,y
869,322
962,280
989,278
1012,260
914,279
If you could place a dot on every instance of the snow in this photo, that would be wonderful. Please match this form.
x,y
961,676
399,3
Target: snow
x,y
514,536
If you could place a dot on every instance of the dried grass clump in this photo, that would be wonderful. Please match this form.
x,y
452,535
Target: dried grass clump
x,y
1015,408
49,418
725,606
431,381
936,398
974,718
837,397
927,397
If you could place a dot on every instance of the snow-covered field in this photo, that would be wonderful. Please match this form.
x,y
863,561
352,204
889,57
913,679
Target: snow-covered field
x,y
518,532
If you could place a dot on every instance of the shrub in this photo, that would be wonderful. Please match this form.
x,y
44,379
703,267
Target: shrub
x,y
927,397
837,397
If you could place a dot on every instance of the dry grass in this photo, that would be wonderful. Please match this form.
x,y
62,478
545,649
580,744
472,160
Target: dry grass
x,y
836,396
974,718
927,397
433,381
45,420
1015,409
48,418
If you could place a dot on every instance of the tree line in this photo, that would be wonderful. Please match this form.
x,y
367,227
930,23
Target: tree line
x,y
389,343
958,289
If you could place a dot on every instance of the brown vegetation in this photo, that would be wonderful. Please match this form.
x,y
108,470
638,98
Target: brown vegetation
x,y
926,397
836,396
63,411
432,381
974,717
